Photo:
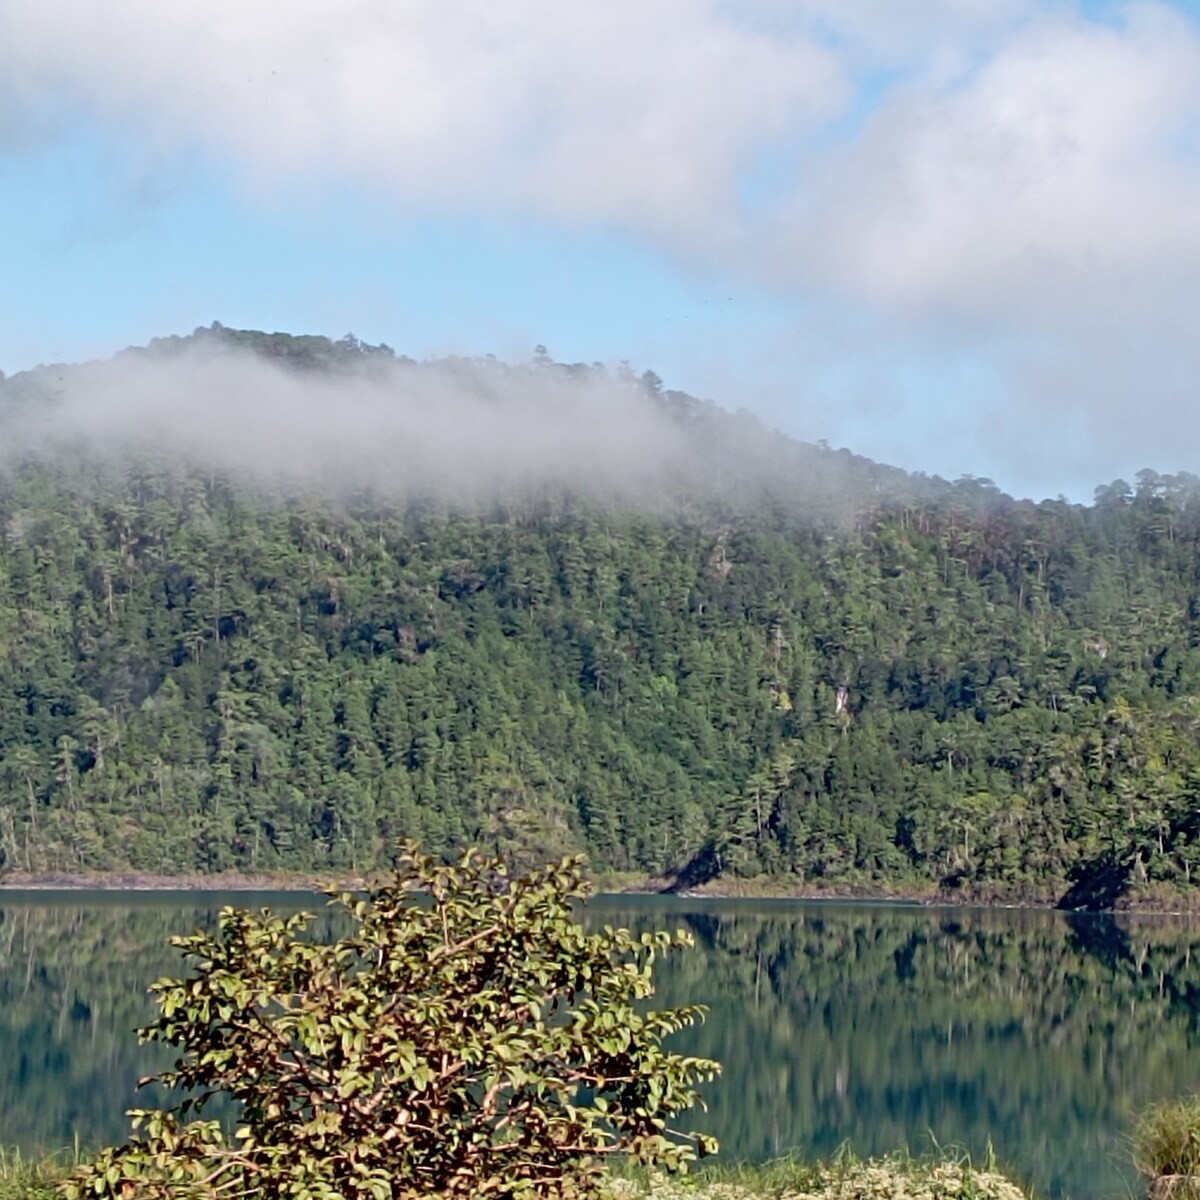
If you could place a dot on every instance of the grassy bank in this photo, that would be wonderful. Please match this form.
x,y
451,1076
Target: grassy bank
x,y
1166,1148
844,1177
897,1177
24,1178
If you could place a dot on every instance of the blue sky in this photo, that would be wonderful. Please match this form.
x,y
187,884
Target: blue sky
x,y
962,236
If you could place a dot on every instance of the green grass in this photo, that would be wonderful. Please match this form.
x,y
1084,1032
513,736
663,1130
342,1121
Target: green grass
x,y
942,1176
1166,1147
844,1177
24,1178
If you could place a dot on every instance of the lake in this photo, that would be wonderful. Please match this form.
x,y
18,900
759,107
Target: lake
x,y
1040,1032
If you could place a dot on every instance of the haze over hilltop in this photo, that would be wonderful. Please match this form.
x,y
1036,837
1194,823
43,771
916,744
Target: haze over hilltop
x,y
346,415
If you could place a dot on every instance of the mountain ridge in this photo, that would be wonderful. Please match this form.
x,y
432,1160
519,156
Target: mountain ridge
x,y
759,657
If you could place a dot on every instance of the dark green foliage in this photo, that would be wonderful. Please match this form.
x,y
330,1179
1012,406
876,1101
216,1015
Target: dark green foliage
x,y
794,662
467,1038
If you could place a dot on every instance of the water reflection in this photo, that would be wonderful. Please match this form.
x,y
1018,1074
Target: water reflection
x,y
1039,1031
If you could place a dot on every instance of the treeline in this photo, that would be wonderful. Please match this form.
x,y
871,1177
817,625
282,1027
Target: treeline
x,y
792,662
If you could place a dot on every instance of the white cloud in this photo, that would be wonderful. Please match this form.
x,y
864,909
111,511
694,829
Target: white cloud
x,y
636,114
1054,169
1039,212
1023,146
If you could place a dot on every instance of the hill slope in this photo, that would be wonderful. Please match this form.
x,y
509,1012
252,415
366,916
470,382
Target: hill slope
x,y
221,650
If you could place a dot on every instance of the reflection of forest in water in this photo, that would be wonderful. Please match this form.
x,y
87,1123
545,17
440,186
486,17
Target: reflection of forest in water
x,y
74,969
1042,1031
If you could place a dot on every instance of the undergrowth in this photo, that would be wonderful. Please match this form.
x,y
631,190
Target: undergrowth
x,y
25,1178
1166,1147
898,1176
844,1177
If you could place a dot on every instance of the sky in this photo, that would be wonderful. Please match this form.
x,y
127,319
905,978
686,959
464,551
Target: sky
x,y
958,236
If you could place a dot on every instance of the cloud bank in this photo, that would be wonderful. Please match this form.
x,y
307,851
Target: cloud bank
x,y
463,429
1006,145
642,115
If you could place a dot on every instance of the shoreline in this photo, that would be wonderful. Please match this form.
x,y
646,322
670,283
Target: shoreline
x,y
140,881
616,885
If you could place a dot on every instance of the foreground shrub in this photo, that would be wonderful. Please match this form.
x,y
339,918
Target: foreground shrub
x,y
468,1038
1166,1147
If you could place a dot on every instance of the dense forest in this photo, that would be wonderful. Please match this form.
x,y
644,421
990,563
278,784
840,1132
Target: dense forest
x,y
771,659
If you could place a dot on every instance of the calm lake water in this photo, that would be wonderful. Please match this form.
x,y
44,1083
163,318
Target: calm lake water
x,y
1039,1032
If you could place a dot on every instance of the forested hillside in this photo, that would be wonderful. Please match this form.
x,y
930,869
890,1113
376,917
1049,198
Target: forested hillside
x,y
769,658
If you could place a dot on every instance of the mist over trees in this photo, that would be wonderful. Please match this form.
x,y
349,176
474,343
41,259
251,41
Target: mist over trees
x,y
271,603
